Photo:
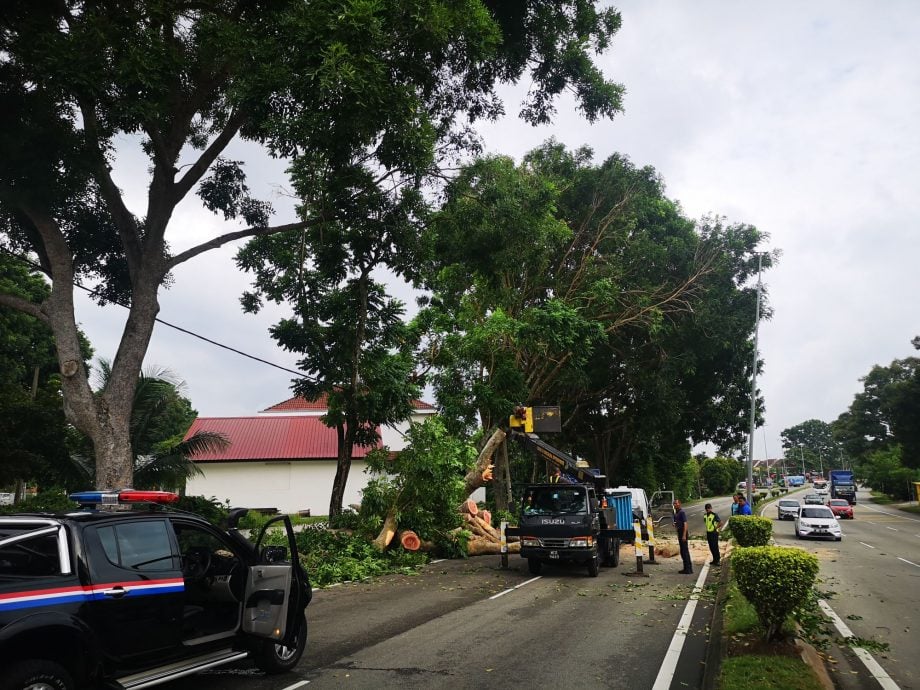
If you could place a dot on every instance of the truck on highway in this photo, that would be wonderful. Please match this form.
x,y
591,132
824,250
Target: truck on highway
x,y
843,485
577,518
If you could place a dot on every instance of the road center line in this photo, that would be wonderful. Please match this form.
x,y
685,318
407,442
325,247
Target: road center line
x,y
526,582
891,528
672,656
907,561
865,544
868,660
297,685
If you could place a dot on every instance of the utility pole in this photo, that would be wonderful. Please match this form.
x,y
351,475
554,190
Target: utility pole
x,y
750,464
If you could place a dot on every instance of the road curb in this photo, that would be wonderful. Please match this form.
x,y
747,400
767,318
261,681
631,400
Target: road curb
x,y
713,661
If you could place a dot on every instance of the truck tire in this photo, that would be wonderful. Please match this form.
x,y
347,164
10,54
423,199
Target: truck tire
x,y
276,658
37,673
594,567
615,553
534,566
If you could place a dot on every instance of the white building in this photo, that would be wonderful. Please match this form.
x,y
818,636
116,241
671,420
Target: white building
x,y
285,458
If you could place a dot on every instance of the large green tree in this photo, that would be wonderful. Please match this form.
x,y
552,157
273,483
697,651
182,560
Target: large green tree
x,y
811,442
327,84
562,281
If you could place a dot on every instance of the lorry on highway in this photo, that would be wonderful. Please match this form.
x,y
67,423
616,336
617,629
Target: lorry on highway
x,y
843,485
578,518
795,480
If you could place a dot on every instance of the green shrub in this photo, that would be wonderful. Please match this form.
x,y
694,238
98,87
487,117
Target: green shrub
x,y
776,580
750,530
210,509
53,500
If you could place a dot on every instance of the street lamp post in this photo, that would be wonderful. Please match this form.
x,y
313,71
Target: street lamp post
x,y
750,462
802,457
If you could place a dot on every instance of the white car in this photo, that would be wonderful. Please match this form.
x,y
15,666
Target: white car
x,y
820,487
787,508
817,521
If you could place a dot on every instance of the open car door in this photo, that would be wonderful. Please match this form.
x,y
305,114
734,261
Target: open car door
x,y
277,589
661,506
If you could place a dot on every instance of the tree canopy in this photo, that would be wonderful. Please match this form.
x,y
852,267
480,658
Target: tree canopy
x,y
338,89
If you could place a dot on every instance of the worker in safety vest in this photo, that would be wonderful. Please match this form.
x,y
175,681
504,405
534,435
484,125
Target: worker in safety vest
x,y
556,476
713,525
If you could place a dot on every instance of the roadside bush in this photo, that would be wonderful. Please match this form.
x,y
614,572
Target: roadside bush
x,y
210,509
776,580
750,530
54,500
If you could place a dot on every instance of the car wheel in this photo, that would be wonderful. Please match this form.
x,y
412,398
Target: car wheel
x,y
37,674
593,568
278,658
838,538
534,566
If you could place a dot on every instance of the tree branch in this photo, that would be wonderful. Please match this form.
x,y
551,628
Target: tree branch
x,y
200,167
238,235
25,306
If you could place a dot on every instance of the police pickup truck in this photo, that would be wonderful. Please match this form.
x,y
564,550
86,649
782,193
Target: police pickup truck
x,y
132,597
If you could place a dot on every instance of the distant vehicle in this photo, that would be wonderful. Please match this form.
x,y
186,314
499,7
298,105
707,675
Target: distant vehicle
x,y
817,521
742,486
820,487
814,500
795,480
843,485
841,508
787,508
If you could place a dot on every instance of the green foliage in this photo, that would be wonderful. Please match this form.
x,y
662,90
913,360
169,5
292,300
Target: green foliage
x,y
52,500
766,672
884,471
775,580
751,530
813,442
423,483
721,474
211,509
331,557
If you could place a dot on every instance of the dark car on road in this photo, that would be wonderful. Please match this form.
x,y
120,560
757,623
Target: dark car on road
x,y
139,595
841,508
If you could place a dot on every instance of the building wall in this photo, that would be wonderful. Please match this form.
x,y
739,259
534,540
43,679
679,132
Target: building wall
x,y
287,486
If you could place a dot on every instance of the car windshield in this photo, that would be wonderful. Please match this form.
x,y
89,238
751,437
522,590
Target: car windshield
x,y
789,504
840,502
817,513
555,500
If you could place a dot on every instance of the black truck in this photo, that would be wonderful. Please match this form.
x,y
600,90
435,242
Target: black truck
x,y
134,598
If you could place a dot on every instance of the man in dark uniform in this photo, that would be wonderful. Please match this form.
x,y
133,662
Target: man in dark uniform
x,y
713,525
683,533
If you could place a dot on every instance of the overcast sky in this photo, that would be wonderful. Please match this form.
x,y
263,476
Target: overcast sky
x,y
799,118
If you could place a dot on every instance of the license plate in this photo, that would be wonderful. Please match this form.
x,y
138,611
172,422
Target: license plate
x,y
554,554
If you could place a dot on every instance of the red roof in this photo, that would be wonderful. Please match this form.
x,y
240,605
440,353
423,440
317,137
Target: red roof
x,y
300,403
271,438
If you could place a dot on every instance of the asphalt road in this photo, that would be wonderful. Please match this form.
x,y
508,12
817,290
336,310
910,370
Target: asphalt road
x,y
872,582
471,624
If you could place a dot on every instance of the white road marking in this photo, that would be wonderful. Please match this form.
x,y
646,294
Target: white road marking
x,y
865,544
891,528
440,560
870,663
296,685
907,561
526,582
672,656
885,512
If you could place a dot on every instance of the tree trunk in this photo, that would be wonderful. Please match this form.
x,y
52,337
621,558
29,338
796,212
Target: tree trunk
x,y
387,532
475,478
343,467
502,477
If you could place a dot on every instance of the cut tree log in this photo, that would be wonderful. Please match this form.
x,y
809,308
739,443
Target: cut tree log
x,y
483,526
486,516
487,547
480,474
469,507
387,532
409,540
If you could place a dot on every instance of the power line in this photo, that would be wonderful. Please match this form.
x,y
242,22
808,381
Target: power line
x,y
92,291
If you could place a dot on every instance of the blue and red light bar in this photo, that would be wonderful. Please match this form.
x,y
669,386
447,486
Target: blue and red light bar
x,y
123,497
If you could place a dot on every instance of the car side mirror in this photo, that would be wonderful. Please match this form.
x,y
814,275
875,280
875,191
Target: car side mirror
x,y
274,554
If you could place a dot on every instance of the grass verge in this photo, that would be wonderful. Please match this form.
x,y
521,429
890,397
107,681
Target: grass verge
x,y
749,663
